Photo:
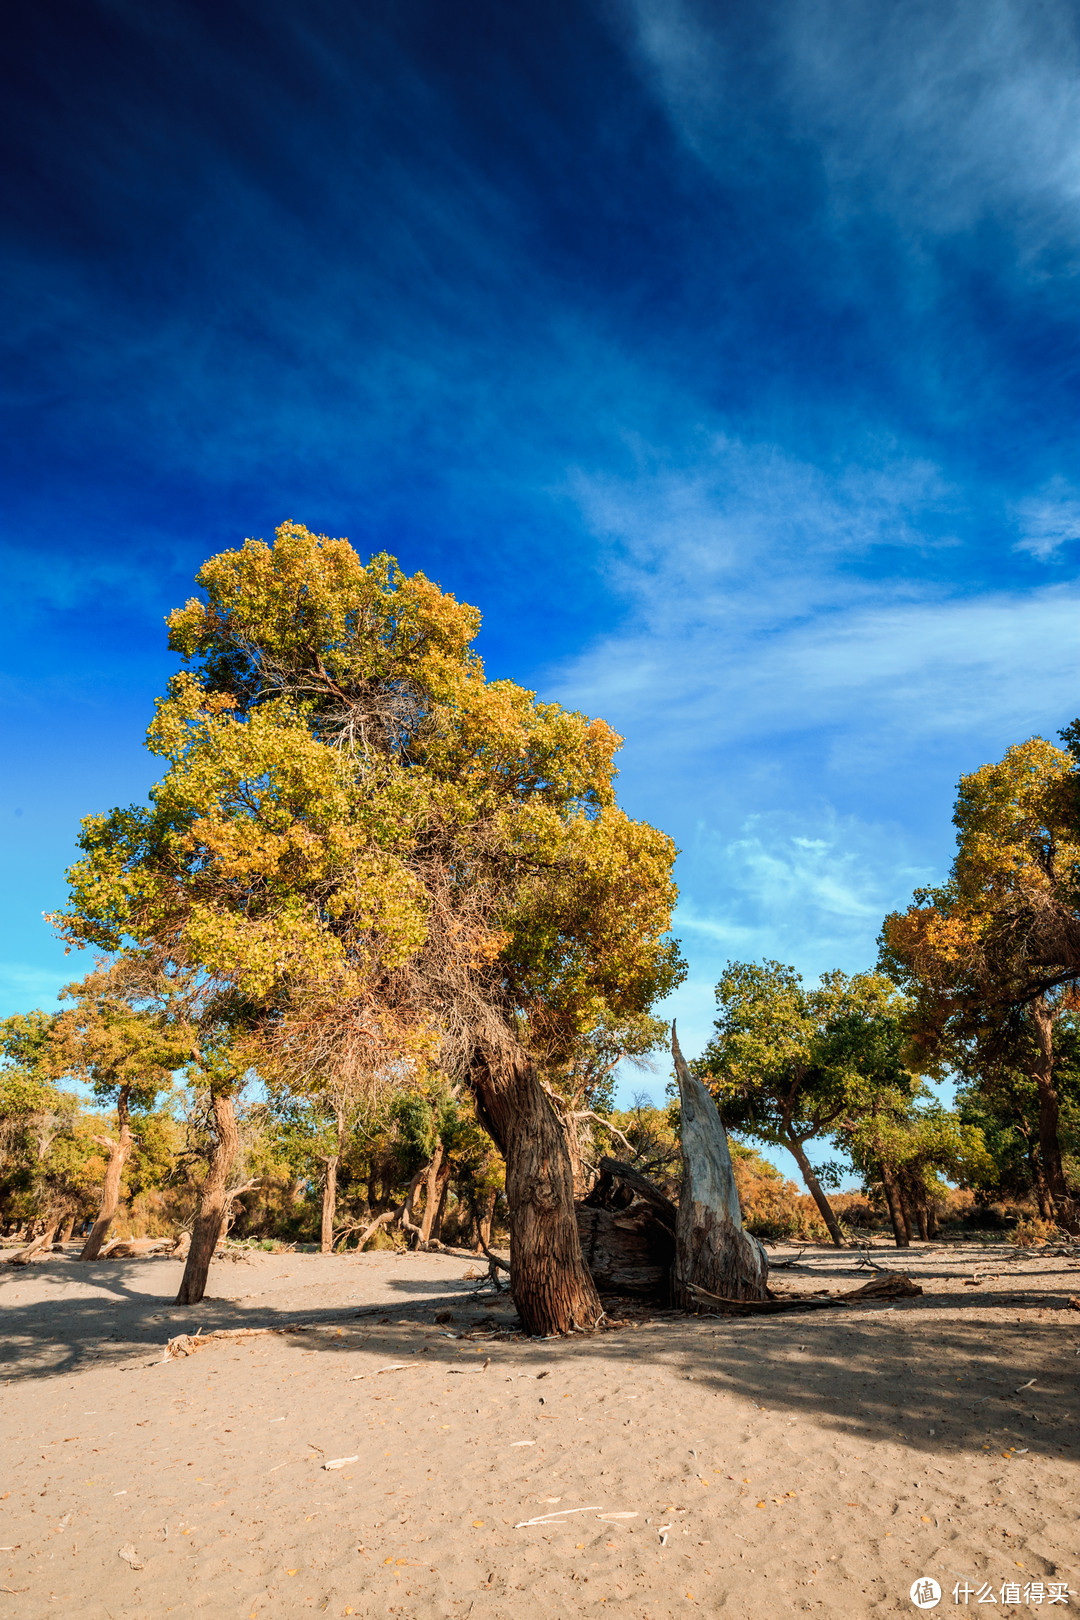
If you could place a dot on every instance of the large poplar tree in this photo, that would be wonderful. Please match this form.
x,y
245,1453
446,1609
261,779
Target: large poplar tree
x,y
360,838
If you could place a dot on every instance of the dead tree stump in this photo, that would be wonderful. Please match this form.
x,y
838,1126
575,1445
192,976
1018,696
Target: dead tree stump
x,y
712,1252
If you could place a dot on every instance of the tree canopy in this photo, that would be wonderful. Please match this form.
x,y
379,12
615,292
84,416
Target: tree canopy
x,y
790,1063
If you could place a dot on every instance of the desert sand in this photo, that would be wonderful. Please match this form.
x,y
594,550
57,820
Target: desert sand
x,y
818,1462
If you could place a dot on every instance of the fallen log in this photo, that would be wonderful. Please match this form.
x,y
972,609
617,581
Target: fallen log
x,y
897,1285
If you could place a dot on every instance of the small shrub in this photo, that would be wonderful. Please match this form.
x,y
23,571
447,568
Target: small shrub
x,y
1032,1230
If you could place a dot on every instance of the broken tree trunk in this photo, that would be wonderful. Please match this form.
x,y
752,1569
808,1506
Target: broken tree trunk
x,y
627,1251
627,1231
712,1252
894,1285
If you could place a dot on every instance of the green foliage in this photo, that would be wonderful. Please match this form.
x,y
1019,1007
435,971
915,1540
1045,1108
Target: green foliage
x,y
118,1038
788,1063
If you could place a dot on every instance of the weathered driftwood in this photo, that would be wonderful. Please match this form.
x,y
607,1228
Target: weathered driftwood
x,y
627,1251
615,1172
712,1252
627,1232
897,1285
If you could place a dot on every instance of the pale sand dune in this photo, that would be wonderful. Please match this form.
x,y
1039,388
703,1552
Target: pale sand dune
x,y
817,1462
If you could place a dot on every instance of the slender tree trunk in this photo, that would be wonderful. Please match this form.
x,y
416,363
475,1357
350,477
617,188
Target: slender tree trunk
x,y
931,1220
896,1208
212,1203
110,1192
549,1280
483,1219
440,1213
431,1182
1065,1208
329,1202
329,1197
66,1229
437,1183
1038,1182
813,1187
921,1220
905,1208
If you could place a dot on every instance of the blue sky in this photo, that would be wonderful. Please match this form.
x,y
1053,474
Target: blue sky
x,y
724,355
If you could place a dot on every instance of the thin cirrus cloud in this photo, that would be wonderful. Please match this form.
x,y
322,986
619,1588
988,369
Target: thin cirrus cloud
x,y
1048,519
935,114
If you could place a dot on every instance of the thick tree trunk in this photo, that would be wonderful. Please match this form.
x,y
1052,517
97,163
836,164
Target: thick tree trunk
x,y
1065,1208
329,1203
813,1187
213,1202
549,1281
712,1252
110,1193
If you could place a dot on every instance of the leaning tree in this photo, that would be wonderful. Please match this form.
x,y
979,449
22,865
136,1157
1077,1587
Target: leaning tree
x,y
362,843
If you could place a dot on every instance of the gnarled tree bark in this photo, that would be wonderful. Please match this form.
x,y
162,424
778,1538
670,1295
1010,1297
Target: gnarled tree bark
x,y
712,1252
549,1280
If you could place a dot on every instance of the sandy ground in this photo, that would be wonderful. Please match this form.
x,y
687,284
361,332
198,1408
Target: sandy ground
x,y
818,1462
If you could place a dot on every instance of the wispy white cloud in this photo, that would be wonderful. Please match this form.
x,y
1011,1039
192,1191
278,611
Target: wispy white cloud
x,y
1048,519
752,613
794,716
810,888
938,114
